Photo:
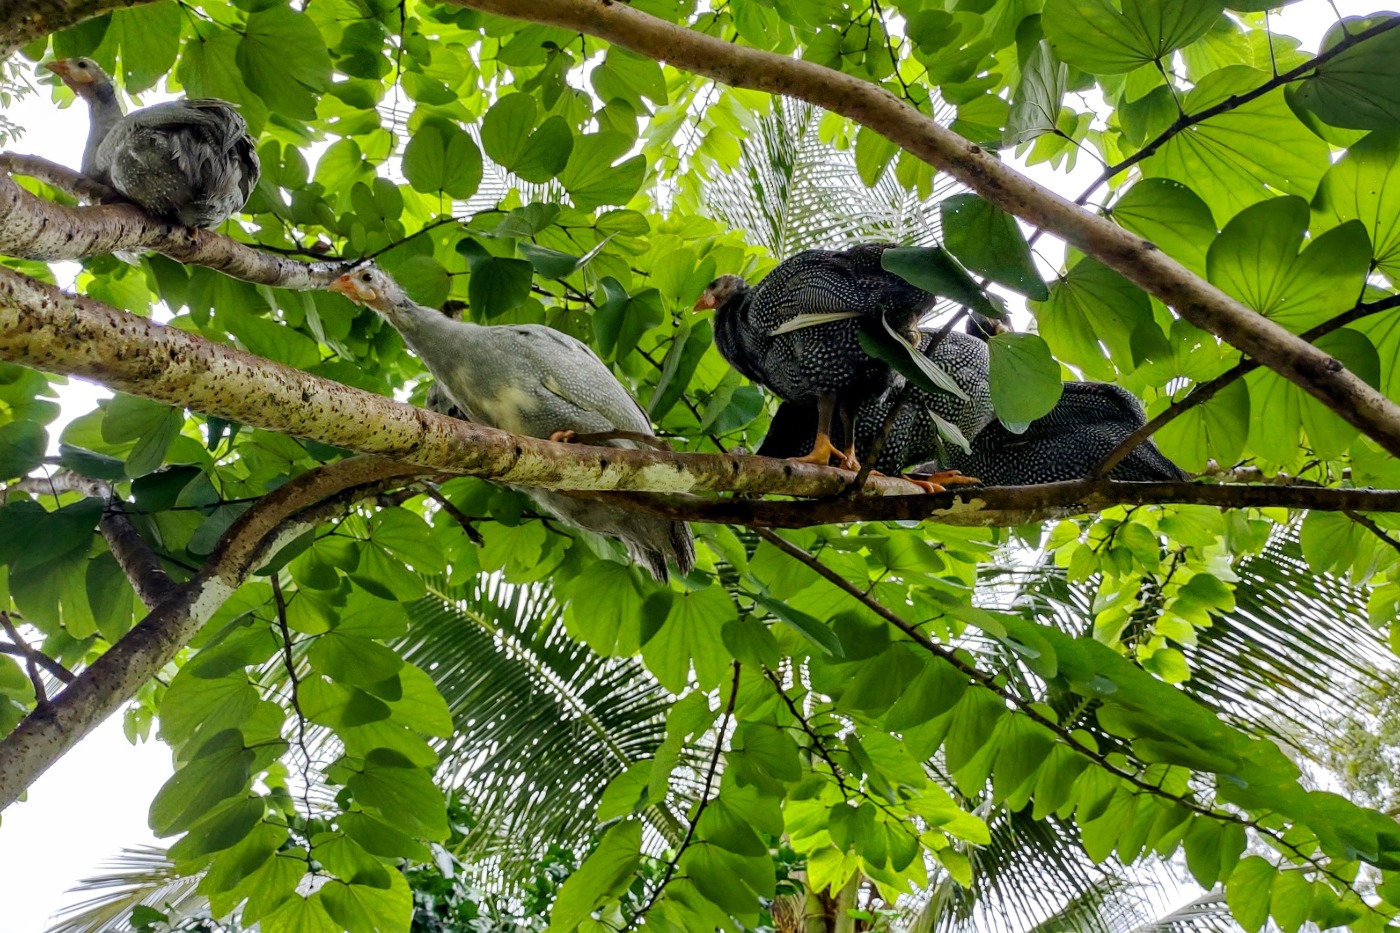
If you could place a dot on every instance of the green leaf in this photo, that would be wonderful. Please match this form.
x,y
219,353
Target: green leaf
x,y
360,908
496,284
1256,260
22,448
873,155
152,425
1248,892
425,279
405,795
690,635
219,769
359,662
1025,378
509,136
1089,305
225,826
1235,158
1358,88
283,58
1095,36
814,631
1171,215
441,157
1035,107
1364,185
882,342
381,839
988,240
1291,899
934,270
607,870
549,263
591,177
302,915
408,536
149,39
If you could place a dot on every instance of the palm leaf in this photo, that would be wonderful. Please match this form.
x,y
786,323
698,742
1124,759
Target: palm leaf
x,y
140,875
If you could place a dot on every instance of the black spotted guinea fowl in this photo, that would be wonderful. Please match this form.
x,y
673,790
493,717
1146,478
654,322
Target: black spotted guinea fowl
x,y
796,332
533,380
915,436
183,161
1084,427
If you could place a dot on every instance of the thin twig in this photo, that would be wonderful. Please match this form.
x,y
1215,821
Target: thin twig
x,y
462,518
289,662
41,696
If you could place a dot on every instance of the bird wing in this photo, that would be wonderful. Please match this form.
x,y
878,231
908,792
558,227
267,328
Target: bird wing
x,y
572,372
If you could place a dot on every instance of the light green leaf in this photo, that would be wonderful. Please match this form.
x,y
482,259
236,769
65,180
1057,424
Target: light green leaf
x,y
1358,88
1025,378
441,157
1217,428
1035,107
593,176
1095,36
1089,305
1234,158
1248,892
1171,215
283,58
988,240
219,769
510,138
606,871
1364,185
360,908
691,636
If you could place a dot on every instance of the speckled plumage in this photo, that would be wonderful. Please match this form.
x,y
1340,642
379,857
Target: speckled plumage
x,y
914,437
824,358
186,161
1089,421
533,380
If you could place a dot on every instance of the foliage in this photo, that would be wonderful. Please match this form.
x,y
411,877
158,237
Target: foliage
x,y
842,709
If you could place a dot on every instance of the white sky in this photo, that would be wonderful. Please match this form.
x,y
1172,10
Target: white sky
x,y
94,800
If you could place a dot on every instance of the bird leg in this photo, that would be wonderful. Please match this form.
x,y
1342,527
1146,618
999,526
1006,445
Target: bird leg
x,y
567,436
822,448
937,482
847,409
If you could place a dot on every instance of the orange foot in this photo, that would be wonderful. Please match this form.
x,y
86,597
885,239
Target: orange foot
x,y
565,436
822,452
937,482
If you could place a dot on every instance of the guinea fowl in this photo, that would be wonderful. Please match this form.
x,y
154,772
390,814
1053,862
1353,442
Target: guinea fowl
x,y
1084,427
796,332
533,380
915,435
184,161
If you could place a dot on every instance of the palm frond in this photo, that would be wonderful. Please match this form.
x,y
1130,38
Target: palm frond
x,y
139,875
543,723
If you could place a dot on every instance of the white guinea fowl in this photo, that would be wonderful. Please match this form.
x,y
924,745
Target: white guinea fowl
x,y
533,380
186,161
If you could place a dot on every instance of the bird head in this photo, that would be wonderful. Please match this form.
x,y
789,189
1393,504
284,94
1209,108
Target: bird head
x,y
82,75
367,284
720,291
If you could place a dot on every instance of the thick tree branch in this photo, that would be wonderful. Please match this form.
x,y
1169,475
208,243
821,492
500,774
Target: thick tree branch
x,y
283,514
1138,260
33,228
43,327
1205,391
23,21
1005,506
57,176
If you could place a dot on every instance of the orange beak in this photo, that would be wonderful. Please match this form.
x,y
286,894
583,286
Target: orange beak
x,y
343,286
59,68
706,302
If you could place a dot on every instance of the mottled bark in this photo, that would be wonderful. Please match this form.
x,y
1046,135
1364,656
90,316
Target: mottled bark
x,y
22,21
283,514
33,228
1138,260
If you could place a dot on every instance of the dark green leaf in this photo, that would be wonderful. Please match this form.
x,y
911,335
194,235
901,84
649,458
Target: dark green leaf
x,y
1025,378
1358,88
935,271
987,240
442,158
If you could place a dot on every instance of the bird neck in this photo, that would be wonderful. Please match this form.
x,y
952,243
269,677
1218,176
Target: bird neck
x,y
104,112
431,334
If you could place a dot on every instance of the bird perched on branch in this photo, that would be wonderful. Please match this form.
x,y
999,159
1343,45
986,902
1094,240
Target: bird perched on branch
x,y
797,332
533,380
1084,427
915,435
184,161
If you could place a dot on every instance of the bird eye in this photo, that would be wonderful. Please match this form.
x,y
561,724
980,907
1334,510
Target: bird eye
x,y
82,63
366,277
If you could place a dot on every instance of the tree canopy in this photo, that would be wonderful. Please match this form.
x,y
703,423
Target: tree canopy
x,y
341,612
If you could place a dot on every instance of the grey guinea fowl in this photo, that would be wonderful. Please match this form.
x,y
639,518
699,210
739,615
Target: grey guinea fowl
x,y
184,161
533,380
820,363
914,437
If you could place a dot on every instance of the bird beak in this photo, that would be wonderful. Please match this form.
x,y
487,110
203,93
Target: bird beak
x,y
706,302
65,72
346,286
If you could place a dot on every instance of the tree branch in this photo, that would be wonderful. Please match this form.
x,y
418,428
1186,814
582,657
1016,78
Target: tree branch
x,y
22,21
1138,260
46,328
1004,506
57,176
288,511
33,228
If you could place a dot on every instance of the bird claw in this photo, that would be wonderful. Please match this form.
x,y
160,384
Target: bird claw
x,y
938,482
822,452
565,436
